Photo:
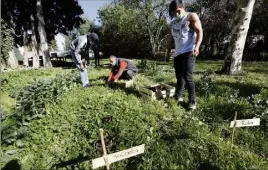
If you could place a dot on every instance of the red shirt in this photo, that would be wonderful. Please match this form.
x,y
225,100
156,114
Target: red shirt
x,y
122,67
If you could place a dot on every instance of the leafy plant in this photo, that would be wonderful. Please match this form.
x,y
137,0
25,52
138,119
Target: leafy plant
x,y
6,36
205,85
31,102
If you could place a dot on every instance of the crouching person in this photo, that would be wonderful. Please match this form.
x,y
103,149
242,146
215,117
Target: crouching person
x,y
122,69
79,49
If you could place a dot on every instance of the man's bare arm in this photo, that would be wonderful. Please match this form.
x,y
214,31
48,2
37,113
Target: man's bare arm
x,y
195,23
169,43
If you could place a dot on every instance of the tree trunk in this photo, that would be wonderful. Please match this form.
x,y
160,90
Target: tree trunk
x,y
12,61
35,55
43,36
213,51
24,49
233,59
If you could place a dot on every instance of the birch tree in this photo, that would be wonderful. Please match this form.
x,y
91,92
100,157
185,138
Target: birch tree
x,y
35,55
233,59
42,34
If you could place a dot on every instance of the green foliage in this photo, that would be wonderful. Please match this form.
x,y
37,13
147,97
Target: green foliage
x,y
149,68
60,16
123,33
7,42
170,138
54,45
137,29
31,101
85,27
205,84
68,42
13,82
67,137
259,104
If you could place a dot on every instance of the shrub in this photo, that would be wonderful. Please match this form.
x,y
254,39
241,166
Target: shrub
x,y
6,37
123,34
31,104
31,101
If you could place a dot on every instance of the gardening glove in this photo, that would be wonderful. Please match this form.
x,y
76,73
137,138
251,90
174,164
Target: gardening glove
x,y
110,83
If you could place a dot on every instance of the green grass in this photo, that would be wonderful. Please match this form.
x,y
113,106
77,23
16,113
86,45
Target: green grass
x,y
175,138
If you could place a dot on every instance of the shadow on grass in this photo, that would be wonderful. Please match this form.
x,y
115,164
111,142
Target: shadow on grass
x,y
182,134
72,162
245,90
12,165
95,81
103,78
128,91
207,166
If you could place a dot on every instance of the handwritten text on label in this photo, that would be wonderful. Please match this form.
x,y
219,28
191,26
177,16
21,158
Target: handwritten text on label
x,y
114,157
246,122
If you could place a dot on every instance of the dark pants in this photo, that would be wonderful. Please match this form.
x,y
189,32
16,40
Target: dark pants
x,y
184,67
96,56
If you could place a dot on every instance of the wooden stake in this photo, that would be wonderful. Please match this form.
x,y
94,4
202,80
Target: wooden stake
x,y
104,150
233,135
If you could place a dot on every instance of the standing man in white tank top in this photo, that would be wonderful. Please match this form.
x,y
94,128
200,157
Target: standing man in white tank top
x,y
187,33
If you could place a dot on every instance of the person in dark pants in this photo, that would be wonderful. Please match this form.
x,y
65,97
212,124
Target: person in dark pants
x,y
186,30
95,46
121,69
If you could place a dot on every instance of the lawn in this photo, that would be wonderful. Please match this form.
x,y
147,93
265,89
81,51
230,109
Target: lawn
x,y
50,122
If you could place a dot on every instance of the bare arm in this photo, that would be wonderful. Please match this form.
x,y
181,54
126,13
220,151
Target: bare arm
x,y
195,23
169,43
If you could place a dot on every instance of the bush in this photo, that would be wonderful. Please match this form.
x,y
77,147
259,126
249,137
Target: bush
x,y
123,33
6,37
259,104
31,101
31,104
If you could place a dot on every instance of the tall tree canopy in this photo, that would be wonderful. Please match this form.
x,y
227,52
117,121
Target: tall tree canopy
x,y
45,18
58,15
133,28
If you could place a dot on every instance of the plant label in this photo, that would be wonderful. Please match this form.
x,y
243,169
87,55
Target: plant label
x,y
114,157
246,122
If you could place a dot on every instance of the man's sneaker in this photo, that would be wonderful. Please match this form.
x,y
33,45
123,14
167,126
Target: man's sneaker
x,y
180,99
192,105
87,86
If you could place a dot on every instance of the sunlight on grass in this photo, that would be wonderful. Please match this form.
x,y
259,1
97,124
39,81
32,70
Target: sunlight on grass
x,y
68,130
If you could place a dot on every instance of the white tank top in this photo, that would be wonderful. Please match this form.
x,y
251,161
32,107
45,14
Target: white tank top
x,y
184,37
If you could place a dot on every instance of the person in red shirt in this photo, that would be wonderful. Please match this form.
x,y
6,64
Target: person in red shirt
x,y
121,69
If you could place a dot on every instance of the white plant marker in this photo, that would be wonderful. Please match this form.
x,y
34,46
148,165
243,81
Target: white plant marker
x,y
242,123
246,122
114,157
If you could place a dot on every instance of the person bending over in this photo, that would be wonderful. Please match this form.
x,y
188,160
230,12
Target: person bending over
x,y
79,49
121,69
